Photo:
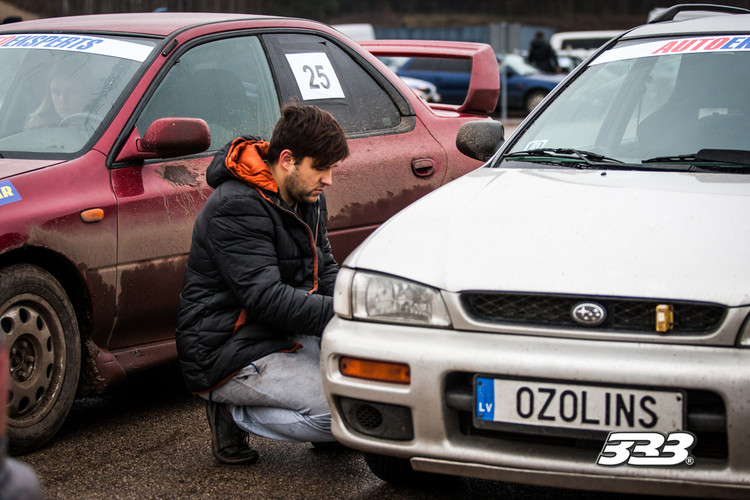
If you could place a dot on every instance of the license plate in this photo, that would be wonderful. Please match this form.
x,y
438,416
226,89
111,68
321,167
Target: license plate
x,y
572,406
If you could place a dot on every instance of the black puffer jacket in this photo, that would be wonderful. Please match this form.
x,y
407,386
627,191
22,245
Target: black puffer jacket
x,y
250,251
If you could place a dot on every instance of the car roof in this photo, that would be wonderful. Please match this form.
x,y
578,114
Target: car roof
x,y
143,23
726,23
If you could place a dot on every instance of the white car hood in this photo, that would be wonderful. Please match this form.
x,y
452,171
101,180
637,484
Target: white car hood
x,y
679,236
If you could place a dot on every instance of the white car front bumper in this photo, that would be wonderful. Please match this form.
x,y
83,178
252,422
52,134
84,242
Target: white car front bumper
x,y
440,401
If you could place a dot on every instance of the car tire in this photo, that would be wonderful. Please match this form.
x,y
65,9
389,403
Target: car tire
x,y
534,98
43,341
398,472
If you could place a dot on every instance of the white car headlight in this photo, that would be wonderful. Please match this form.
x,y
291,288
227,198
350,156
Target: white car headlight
x,y
376,297
745,333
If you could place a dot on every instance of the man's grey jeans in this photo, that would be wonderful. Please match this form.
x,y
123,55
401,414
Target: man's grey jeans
x,y
280,396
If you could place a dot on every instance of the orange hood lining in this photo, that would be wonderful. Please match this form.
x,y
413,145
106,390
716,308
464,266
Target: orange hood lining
x,y
245,160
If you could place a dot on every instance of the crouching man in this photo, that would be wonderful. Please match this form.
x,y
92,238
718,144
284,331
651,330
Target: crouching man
x,y
258,286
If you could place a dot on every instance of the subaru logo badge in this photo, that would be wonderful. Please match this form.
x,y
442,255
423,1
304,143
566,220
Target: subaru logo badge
x,y
588,314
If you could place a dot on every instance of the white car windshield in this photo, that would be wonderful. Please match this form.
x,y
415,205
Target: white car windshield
x,y
647,103
55,90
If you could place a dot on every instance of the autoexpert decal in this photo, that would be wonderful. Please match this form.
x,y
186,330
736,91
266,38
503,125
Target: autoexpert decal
x,y
676,46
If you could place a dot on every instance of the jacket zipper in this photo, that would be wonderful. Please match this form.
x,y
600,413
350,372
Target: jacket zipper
x,y
313,238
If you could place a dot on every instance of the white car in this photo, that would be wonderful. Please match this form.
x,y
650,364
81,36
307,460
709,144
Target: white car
x,y
576,313
424,89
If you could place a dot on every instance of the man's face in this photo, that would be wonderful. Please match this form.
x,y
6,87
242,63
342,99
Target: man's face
x,y
305,183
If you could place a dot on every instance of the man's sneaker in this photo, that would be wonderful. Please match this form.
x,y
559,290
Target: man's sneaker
x,y
229,442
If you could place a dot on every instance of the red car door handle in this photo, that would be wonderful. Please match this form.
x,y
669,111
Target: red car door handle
x,y
422,167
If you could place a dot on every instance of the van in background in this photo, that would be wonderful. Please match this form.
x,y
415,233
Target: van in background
x,y
580,44
357,31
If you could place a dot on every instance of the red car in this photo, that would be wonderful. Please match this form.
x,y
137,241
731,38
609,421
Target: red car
x,y
107,124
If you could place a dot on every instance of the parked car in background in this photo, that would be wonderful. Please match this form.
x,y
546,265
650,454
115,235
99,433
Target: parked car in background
x,y
425,90
357,31
526,85
577,312
107,124
568,63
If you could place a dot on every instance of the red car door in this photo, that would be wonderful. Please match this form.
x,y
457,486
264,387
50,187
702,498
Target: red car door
x,y
228,84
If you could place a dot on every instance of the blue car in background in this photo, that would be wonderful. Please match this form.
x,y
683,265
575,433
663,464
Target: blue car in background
x,y
526,86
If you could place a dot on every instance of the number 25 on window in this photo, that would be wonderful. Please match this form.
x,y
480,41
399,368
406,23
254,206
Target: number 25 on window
x,y
318,77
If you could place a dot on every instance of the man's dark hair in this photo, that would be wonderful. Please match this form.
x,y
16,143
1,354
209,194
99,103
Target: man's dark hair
x,y
308,131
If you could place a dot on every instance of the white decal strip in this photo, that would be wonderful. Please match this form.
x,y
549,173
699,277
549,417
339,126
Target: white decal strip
x,y
78,43
676,46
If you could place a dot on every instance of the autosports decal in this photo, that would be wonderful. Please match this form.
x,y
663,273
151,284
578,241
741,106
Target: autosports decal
x,y
677,46
315,76
8,193
78,43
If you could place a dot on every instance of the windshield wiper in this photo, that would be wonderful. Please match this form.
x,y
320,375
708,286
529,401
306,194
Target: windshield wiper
x,y
728,159
563,156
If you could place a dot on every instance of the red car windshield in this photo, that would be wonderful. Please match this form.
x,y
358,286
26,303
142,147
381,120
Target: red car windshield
x,y
56,89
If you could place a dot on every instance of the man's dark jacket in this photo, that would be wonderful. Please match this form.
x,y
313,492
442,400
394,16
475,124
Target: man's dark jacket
x,y
250,251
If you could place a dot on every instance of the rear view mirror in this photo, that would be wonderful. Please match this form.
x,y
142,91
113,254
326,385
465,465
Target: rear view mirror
x,y
168,138
480,139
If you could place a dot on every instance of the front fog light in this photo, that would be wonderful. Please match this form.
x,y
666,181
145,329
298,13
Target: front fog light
x,y
380,420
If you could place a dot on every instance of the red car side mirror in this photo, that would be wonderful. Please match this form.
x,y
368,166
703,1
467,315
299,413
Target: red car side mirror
x,y
168,138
